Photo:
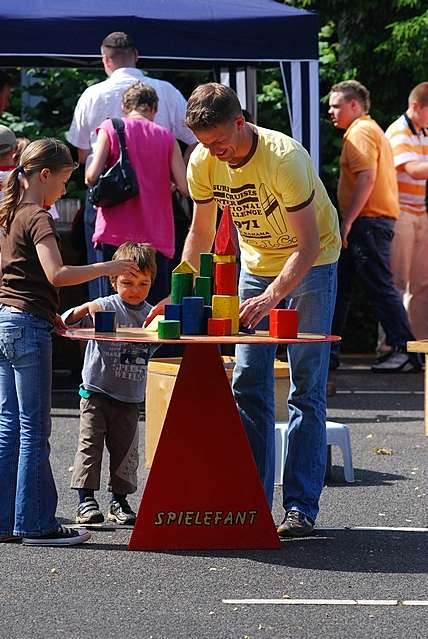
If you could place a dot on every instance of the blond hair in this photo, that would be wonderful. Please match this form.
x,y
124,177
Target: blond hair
x,y
143,254
47,153
353,90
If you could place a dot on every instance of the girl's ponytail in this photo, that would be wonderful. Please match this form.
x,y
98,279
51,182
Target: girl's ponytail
x,y
11,196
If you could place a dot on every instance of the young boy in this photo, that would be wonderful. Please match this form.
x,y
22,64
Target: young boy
x,y
114,381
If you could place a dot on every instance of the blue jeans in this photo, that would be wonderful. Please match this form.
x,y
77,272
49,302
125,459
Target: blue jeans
x,y
253,388
368,258
28,497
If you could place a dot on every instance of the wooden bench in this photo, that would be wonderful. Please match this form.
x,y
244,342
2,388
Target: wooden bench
x,y
421,346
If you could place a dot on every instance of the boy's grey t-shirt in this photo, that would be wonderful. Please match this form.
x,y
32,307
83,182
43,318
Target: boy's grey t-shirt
x,y
117,369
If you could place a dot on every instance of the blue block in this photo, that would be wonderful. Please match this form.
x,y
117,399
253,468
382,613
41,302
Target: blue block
x,y
192,315
172,312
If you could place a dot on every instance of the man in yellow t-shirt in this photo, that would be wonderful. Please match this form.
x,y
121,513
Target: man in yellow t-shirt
x,y
289,239
368,203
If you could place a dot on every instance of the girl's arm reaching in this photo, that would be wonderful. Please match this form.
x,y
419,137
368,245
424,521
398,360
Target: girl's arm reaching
x,y
59,274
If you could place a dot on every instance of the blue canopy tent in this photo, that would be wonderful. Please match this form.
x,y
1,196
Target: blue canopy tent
x,y
233,38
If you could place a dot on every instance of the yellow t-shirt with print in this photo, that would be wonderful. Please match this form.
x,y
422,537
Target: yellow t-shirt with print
x,y
278,177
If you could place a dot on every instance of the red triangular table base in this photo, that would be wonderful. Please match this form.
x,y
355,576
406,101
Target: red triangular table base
x,y
203,490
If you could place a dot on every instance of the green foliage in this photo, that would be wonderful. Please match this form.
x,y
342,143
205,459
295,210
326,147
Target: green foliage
x,y
55,93
403,37
271,102
385,46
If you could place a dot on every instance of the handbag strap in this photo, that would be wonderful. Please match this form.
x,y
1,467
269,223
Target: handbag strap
x,y
120,130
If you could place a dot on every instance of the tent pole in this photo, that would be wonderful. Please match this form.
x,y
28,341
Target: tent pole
x,y
301,86
251,90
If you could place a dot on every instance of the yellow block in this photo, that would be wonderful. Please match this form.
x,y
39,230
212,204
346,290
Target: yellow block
x,y
153,326
227,306
161,376
224,259
184,267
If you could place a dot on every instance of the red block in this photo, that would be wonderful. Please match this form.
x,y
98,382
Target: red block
x,y
225,239
219,326
226,278
203,490
283,323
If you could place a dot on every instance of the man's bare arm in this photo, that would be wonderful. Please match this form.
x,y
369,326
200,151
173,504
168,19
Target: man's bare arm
x,y
417,169
305,226
202,232
361,193
187,152
82,154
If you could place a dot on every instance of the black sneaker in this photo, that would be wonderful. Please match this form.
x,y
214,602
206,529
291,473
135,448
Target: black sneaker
x,y
88,512
121,513
397,361
295,524
10,539
62,537
334,362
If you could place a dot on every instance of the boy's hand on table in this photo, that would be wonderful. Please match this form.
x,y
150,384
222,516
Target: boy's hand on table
x,y
92,309
158,309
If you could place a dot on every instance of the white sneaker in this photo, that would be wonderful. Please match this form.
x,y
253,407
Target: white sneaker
x,y
62,537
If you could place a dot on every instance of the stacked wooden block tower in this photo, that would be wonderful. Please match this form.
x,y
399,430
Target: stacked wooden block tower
x,y
210,304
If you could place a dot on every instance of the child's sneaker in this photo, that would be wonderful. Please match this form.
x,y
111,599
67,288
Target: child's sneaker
x,y
88,512
121,513
62,537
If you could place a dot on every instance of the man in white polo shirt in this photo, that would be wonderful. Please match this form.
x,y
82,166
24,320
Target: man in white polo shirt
x,y
103,100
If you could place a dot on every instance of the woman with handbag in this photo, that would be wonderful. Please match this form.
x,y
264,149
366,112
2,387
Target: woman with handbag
x,y
155,158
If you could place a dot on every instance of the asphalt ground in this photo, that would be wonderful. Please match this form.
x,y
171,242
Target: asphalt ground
x,y
364,548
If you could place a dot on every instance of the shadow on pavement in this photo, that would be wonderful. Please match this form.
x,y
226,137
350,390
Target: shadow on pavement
x,y
363,477
340,550
332,550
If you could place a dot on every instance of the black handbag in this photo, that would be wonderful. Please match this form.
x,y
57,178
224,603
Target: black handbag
x,y
119,183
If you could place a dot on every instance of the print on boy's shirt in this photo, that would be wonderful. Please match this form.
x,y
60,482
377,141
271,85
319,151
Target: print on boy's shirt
x,y
256,214
127,361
